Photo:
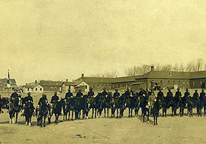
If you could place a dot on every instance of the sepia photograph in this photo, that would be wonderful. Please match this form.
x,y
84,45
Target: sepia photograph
x,y
102,72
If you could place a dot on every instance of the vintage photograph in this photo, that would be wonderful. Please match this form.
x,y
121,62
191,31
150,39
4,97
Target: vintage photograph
x,y
102,72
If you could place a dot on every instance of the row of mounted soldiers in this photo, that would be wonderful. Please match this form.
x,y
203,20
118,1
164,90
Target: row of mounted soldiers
x,y
74,107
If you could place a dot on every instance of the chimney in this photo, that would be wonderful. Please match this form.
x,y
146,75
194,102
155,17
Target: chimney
x,y
152,68
82,75
35,81
66,80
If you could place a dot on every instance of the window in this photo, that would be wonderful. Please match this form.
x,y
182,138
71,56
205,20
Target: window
x,y
28,89
85,86
200,82
40,89
178,82
36,89
173,82
193,83
161,82
187,83
168,82
183,83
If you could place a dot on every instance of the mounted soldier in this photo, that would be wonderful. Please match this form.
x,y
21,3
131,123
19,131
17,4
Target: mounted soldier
x,y
1,104
54,101
104,93
177,97
68,95
196,102
202,97
186,95
90,93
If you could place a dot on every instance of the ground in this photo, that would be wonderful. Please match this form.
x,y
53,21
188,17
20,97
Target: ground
x,y
171,130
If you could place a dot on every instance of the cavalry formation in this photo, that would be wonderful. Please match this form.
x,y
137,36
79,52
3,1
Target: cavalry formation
x,y
104,104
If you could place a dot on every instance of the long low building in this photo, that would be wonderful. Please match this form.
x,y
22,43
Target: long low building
x,y
152,79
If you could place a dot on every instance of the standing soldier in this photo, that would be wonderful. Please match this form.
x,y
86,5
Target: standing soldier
x,y
196,102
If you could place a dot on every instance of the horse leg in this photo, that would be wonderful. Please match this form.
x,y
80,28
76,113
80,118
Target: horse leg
x,y
16,117
44,121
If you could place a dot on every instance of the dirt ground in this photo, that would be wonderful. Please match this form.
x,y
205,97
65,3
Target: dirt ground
x,y
171,130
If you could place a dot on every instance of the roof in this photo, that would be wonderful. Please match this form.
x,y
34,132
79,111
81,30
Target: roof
x,y
70,83
50,83
94,80
197,75
4,81
137,83
31,85
167,74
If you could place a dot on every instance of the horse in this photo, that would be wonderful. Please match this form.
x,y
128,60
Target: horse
x,y
57,109
14,108
28,112
93,106
155,107
107,104
42,112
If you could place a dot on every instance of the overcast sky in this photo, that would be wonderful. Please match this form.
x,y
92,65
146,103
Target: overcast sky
x,y
61,39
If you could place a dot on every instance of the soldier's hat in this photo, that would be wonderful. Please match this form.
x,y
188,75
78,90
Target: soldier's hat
x,y
104,88
116,89
90,88
178,88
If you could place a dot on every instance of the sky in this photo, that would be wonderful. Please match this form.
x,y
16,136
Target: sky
x,y
61,39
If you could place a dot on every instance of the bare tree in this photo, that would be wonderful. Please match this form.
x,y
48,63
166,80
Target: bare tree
x,y
167,67
175,67
181,67
111,74
132,71
199,64
190,66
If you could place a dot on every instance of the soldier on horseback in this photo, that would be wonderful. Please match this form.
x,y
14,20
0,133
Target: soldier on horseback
x,y
90,93
54,101
202,96
68,95
1,104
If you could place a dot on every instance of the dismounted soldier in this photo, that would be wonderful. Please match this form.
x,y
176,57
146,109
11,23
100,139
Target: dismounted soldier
x,y
104,93
90,93
202,97
68,95
189,105
196,102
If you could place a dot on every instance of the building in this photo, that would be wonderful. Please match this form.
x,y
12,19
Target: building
x,y
49,85
150,80
33,88
4,84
